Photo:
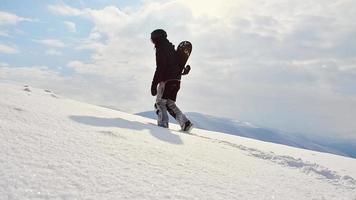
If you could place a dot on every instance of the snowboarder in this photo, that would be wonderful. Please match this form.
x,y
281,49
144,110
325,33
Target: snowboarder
x,y
167,77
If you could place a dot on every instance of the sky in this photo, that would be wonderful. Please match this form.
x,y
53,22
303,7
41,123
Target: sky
x,y
283,64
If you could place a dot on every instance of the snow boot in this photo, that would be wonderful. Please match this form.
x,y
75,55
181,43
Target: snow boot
x,y
187,126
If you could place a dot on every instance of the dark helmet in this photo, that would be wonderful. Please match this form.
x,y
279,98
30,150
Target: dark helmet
x,y
158,35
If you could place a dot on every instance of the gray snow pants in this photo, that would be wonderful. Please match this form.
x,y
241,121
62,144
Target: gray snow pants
x,y
165,102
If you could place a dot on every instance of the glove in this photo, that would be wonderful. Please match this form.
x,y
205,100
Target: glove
x,y
154,89
186,70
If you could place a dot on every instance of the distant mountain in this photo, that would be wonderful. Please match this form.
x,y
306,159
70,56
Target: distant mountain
x,y
246,129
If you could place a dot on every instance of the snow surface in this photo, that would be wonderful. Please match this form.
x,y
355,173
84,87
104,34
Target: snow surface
x,y
246,129
57,148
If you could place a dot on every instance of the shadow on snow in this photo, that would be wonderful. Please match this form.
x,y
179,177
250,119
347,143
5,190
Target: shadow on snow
x,y
163,134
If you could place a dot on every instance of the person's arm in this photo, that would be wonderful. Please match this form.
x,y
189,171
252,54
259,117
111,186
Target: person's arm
x,y
161,62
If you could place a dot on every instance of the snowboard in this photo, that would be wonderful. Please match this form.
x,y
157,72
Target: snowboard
x,y
184,50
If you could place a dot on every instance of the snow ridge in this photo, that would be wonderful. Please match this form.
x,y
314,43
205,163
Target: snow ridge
x,y
289,161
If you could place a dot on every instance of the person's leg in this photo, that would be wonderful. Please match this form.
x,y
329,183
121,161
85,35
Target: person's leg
x,y
161,107
176,112
170,93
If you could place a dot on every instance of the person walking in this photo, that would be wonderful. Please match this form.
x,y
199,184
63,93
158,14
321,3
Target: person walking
x,y
166,82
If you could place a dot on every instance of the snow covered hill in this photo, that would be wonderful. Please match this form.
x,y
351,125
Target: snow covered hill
x,y
246,129
57,148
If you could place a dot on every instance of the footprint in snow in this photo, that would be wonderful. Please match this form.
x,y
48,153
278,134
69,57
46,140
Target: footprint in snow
x,y
18,109
27,89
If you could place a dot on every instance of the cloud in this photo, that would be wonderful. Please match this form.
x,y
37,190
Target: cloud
x,y
7,18
51,42
53,52
38,73
83,68
62,9
287,65
2,64
8,49
4,34
75,86
70,26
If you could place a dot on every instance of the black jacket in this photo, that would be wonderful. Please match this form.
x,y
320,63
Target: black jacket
x,y
167,66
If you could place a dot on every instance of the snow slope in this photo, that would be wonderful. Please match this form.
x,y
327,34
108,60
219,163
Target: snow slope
x,y
56,148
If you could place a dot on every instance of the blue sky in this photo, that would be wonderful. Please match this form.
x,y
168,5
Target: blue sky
x,y
45,24
288,65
